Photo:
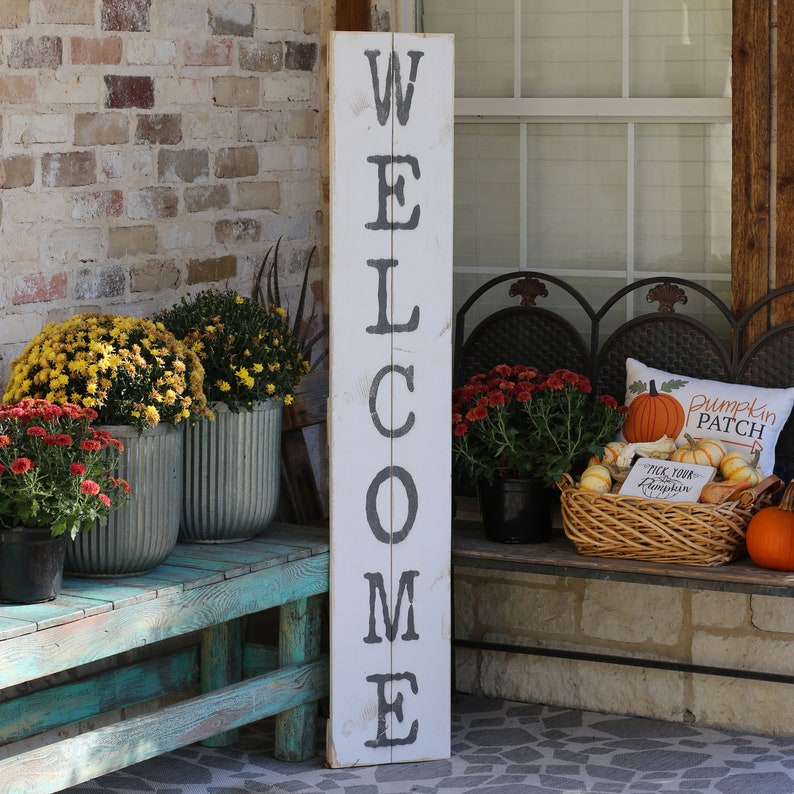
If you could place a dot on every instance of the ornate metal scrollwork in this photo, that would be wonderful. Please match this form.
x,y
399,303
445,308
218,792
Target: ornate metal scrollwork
x,y
667,295
529,289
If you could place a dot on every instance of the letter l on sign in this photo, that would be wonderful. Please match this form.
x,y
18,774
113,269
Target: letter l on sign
x,y
390,291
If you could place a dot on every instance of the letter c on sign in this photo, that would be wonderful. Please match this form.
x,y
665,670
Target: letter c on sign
x,y
372,506
408,373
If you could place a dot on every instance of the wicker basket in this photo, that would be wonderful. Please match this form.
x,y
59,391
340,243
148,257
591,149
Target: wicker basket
x,y
655,530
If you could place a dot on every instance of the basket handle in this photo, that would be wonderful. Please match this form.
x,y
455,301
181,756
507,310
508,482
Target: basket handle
x,y
767,487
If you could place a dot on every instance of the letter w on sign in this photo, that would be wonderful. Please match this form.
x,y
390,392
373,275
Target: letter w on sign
x,y
389,409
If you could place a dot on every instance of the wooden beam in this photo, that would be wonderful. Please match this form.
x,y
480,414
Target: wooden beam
x,y
751,154
784,204
352,15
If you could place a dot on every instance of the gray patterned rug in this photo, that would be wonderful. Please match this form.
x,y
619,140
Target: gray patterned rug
x,y
498,748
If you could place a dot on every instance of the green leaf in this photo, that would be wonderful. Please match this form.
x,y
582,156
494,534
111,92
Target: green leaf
x,y
672,385
638,387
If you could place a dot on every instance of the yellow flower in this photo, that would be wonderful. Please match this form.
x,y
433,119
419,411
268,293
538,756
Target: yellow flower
x,y
224,385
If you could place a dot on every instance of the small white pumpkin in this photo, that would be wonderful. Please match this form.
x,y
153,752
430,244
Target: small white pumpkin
x,y
740,466
704,451
596,478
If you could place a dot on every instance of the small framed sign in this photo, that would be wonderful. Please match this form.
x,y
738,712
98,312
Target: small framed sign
x,y
666,479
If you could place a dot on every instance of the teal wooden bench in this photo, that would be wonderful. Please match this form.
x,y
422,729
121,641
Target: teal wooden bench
x,y
201,691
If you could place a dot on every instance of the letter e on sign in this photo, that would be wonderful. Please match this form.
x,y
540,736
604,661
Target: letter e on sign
x,y
390,292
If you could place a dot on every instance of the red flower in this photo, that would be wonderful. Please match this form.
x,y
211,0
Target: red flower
x,y
90,445
104,498
461,429
63,440
77,469
36,430
477,412
497,398
89,487
5,441
21,465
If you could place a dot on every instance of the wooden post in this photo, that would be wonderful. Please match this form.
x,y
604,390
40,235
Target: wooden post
x,y
390,396
221,665
299,641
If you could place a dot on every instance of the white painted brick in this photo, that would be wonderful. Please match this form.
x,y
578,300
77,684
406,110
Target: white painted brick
x,y
270,17
127,165
20,243
287,88
150,52
19,328
632,613
71,87
182,15
770,613
282,157
182,91
214,124
186,234
28,128
302,193
26,207
74,246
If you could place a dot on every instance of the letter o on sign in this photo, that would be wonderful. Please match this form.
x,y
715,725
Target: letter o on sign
x,y
373,519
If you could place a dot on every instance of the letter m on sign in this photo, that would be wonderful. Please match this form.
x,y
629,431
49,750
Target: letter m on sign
x,y
392,120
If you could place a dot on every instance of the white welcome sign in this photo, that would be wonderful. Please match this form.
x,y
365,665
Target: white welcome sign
x,y
390,303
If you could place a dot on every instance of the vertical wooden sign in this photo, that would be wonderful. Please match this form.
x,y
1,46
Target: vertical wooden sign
x,y
390,303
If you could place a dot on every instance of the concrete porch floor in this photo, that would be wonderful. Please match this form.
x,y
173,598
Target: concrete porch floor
x,y
498,747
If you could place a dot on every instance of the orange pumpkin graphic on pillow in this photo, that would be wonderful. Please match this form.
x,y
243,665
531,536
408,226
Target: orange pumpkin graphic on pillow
x,y
653,412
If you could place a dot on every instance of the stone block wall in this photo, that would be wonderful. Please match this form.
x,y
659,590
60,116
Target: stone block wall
x,y
740,631
150,148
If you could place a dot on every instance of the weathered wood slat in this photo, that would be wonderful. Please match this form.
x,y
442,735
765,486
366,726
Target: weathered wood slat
x,y
50,708
104,750
200,592
100,636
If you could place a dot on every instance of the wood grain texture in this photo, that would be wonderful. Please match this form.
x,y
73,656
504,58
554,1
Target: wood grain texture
x,y
104,750
750,189
784,203
207,588
352,14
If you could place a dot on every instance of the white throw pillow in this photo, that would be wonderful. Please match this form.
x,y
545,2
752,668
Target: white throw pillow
x,y
745,418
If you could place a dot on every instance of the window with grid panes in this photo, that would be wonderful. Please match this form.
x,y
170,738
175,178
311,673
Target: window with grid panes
x,y
592,140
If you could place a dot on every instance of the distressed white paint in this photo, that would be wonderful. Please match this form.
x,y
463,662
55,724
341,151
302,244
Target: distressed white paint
x,y
413,398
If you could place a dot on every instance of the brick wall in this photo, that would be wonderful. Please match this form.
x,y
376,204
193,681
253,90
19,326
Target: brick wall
x,y
149,148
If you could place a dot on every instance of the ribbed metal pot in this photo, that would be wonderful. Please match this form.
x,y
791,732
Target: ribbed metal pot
x,y
232,474
142,533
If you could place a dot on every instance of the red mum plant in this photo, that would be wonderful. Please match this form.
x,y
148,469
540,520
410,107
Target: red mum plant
x,y
517,422
54,467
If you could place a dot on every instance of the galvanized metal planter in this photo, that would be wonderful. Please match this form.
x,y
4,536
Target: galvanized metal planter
x,y
232,474
142,534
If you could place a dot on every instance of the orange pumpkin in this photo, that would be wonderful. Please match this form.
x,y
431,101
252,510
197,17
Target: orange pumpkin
x,y
653,415
770,534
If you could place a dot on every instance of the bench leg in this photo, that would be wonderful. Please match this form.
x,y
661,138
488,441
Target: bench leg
x,y
299,640
221,665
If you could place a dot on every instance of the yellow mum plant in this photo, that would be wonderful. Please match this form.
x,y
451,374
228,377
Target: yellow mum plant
x,y
248,351
130,370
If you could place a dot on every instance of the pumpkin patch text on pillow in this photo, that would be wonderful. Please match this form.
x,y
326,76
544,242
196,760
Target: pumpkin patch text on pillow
x,y
746,418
